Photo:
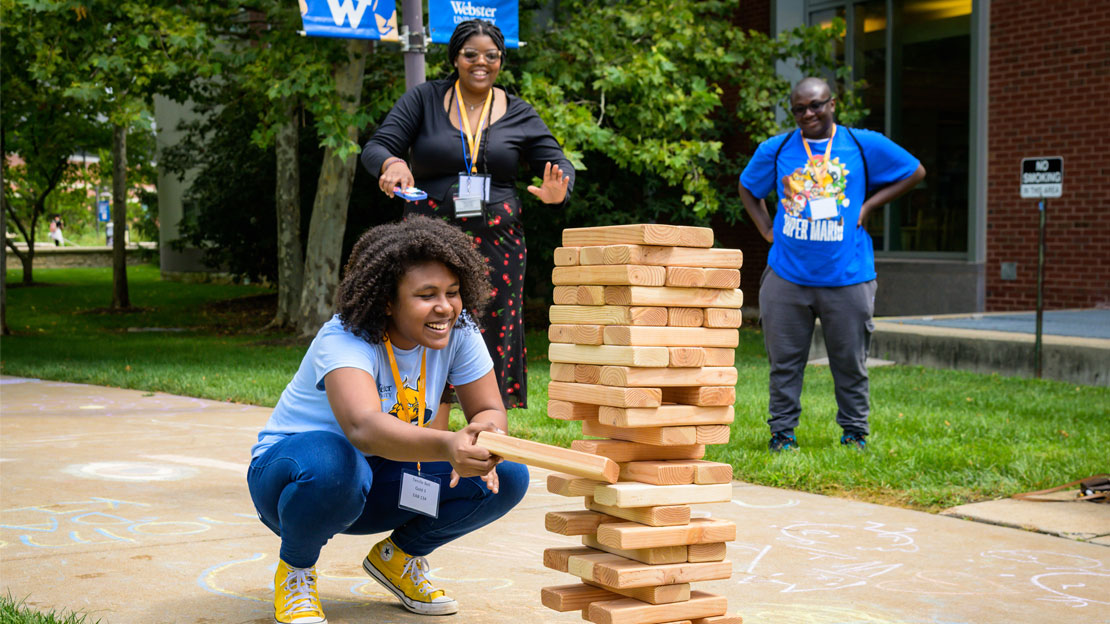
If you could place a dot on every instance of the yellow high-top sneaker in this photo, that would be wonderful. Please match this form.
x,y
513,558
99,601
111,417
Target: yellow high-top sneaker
x,y
404,576
295,597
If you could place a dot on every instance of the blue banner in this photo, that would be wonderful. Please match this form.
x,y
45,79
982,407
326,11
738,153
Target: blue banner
x,y
443,15
103,210
350,19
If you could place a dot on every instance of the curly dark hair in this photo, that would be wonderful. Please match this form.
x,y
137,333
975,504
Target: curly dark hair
x,y
382,256
466,30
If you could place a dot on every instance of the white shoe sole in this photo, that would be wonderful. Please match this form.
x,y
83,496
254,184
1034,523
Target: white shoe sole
x,y
422,608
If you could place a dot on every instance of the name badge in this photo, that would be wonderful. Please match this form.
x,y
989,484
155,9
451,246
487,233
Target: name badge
x,y
822,208
419,493
474,186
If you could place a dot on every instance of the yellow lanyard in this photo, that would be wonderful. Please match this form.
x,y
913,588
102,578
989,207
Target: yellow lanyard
x,y
403,392
474,140
820,169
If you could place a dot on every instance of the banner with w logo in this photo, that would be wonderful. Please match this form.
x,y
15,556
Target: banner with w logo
x,y
350,19
444,15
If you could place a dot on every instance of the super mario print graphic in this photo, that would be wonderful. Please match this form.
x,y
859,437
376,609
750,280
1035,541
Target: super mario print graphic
x,y
813,200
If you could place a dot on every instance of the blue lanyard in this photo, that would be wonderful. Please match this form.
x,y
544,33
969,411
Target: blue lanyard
x,y
462,139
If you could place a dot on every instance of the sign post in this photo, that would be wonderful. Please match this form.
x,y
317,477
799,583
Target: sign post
x,y
1041,177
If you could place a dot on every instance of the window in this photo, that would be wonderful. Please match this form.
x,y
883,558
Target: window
x,y
915,56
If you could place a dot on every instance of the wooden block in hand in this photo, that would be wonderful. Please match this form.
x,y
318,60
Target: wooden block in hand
x,y
630,535
574,597
609,275
639,234
651,357
650,556
716,317
685,317
566,256
570,485
632,611
660,515
604,395
608,315
665,416
673,297
662,377
661,256
700,395
568,410
647,495
551,457
671,336
576,522
579,295
622,451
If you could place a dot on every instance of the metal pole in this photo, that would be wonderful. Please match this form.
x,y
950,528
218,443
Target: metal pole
x,y
1040,293
412,41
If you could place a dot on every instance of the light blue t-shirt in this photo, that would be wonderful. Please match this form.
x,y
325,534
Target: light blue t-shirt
x,y
304,406
818,243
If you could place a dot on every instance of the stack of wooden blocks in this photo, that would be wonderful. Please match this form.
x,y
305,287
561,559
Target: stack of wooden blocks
x,y
643,336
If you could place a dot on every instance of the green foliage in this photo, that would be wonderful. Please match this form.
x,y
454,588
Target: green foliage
x,y
14,611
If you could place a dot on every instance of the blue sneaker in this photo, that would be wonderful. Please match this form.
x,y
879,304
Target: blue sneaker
x,y
783,442
857,440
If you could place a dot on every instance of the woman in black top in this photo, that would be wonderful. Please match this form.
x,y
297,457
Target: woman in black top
x,y
502,131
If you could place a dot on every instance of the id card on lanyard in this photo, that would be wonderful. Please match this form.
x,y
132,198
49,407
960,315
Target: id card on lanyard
x,y
821,207
419,492
473,186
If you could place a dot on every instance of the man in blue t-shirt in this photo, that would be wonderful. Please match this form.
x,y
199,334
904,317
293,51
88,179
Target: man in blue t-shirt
x,y
828,179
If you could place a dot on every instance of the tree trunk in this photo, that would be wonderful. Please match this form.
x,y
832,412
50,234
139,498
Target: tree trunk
x,y
287,194
329,210
120,299
3,252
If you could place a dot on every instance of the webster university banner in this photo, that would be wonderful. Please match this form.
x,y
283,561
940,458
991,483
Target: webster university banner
x,y
443,15
350,19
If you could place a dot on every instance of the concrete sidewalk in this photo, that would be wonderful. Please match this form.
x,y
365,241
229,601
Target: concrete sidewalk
x,y
133,507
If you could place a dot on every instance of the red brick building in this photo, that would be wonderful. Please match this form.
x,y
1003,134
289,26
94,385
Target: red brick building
x,y
971,87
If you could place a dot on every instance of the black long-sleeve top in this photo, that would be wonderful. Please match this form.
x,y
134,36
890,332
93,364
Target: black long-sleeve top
x,y
419,130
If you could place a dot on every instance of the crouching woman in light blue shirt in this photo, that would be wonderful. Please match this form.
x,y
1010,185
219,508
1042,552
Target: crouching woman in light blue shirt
x,y
353,445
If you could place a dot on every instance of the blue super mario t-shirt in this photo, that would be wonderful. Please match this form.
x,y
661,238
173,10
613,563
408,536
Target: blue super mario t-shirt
x,y
817,240
304,406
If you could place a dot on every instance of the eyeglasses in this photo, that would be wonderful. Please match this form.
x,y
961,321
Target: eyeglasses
x,y
814,107
471,55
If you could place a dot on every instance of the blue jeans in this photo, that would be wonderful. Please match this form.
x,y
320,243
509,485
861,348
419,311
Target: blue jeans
x,y
311,486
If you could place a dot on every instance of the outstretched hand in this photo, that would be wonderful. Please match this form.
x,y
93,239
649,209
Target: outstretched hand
x,y
553,189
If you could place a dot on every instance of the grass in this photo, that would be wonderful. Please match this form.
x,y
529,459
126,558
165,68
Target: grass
x,y
13,612
939,438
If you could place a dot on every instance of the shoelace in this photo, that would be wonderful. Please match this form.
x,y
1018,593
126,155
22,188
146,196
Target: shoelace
x,y
300,583
417,566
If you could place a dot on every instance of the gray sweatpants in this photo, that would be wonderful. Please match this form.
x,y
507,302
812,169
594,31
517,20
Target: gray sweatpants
x,y
788,313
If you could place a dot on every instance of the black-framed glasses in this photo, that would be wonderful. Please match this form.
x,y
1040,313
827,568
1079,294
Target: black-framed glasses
x,y
814,107
471,55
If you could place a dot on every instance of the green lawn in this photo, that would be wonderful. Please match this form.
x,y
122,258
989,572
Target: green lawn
x,y
940,438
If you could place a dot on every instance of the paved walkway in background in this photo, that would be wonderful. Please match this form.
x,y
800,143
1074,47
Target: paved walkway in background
x,y
133,507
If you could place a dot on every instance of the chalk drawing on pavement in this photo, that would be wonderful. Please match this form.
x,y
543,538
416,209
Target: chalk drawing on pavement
x,y
130,471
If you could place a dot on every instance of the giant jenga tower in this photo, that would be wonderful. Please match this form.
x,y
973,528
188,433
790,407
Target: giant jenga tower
x,y
643,333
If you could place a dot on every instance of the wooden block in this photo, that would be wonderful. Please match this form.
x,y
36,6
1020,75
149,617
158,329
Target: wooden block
x,y
691,277
632,611
716,317
604,395
711,434
650,556
632,535
706,472
701,395
577,334
621,451
665,416
676,297
716,356
685,317
683,357
587,373
560,371
574,597
567,410
646,495
671,336
607,315
579,295
570,485
551,457
556,558
664,377
720,619
660,515
673,472
661,436
651,357
722,278
639,234
663,594
577,522
713,551
620,572
661,256
566,256
609,275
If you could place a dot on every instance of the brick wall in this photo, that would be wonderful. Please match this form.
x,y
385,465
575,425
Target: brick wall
x,y
1049,77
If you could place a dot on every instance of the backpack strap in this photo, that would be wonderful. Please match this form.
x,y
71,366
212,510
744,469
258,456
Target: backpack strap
x,y
863,157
